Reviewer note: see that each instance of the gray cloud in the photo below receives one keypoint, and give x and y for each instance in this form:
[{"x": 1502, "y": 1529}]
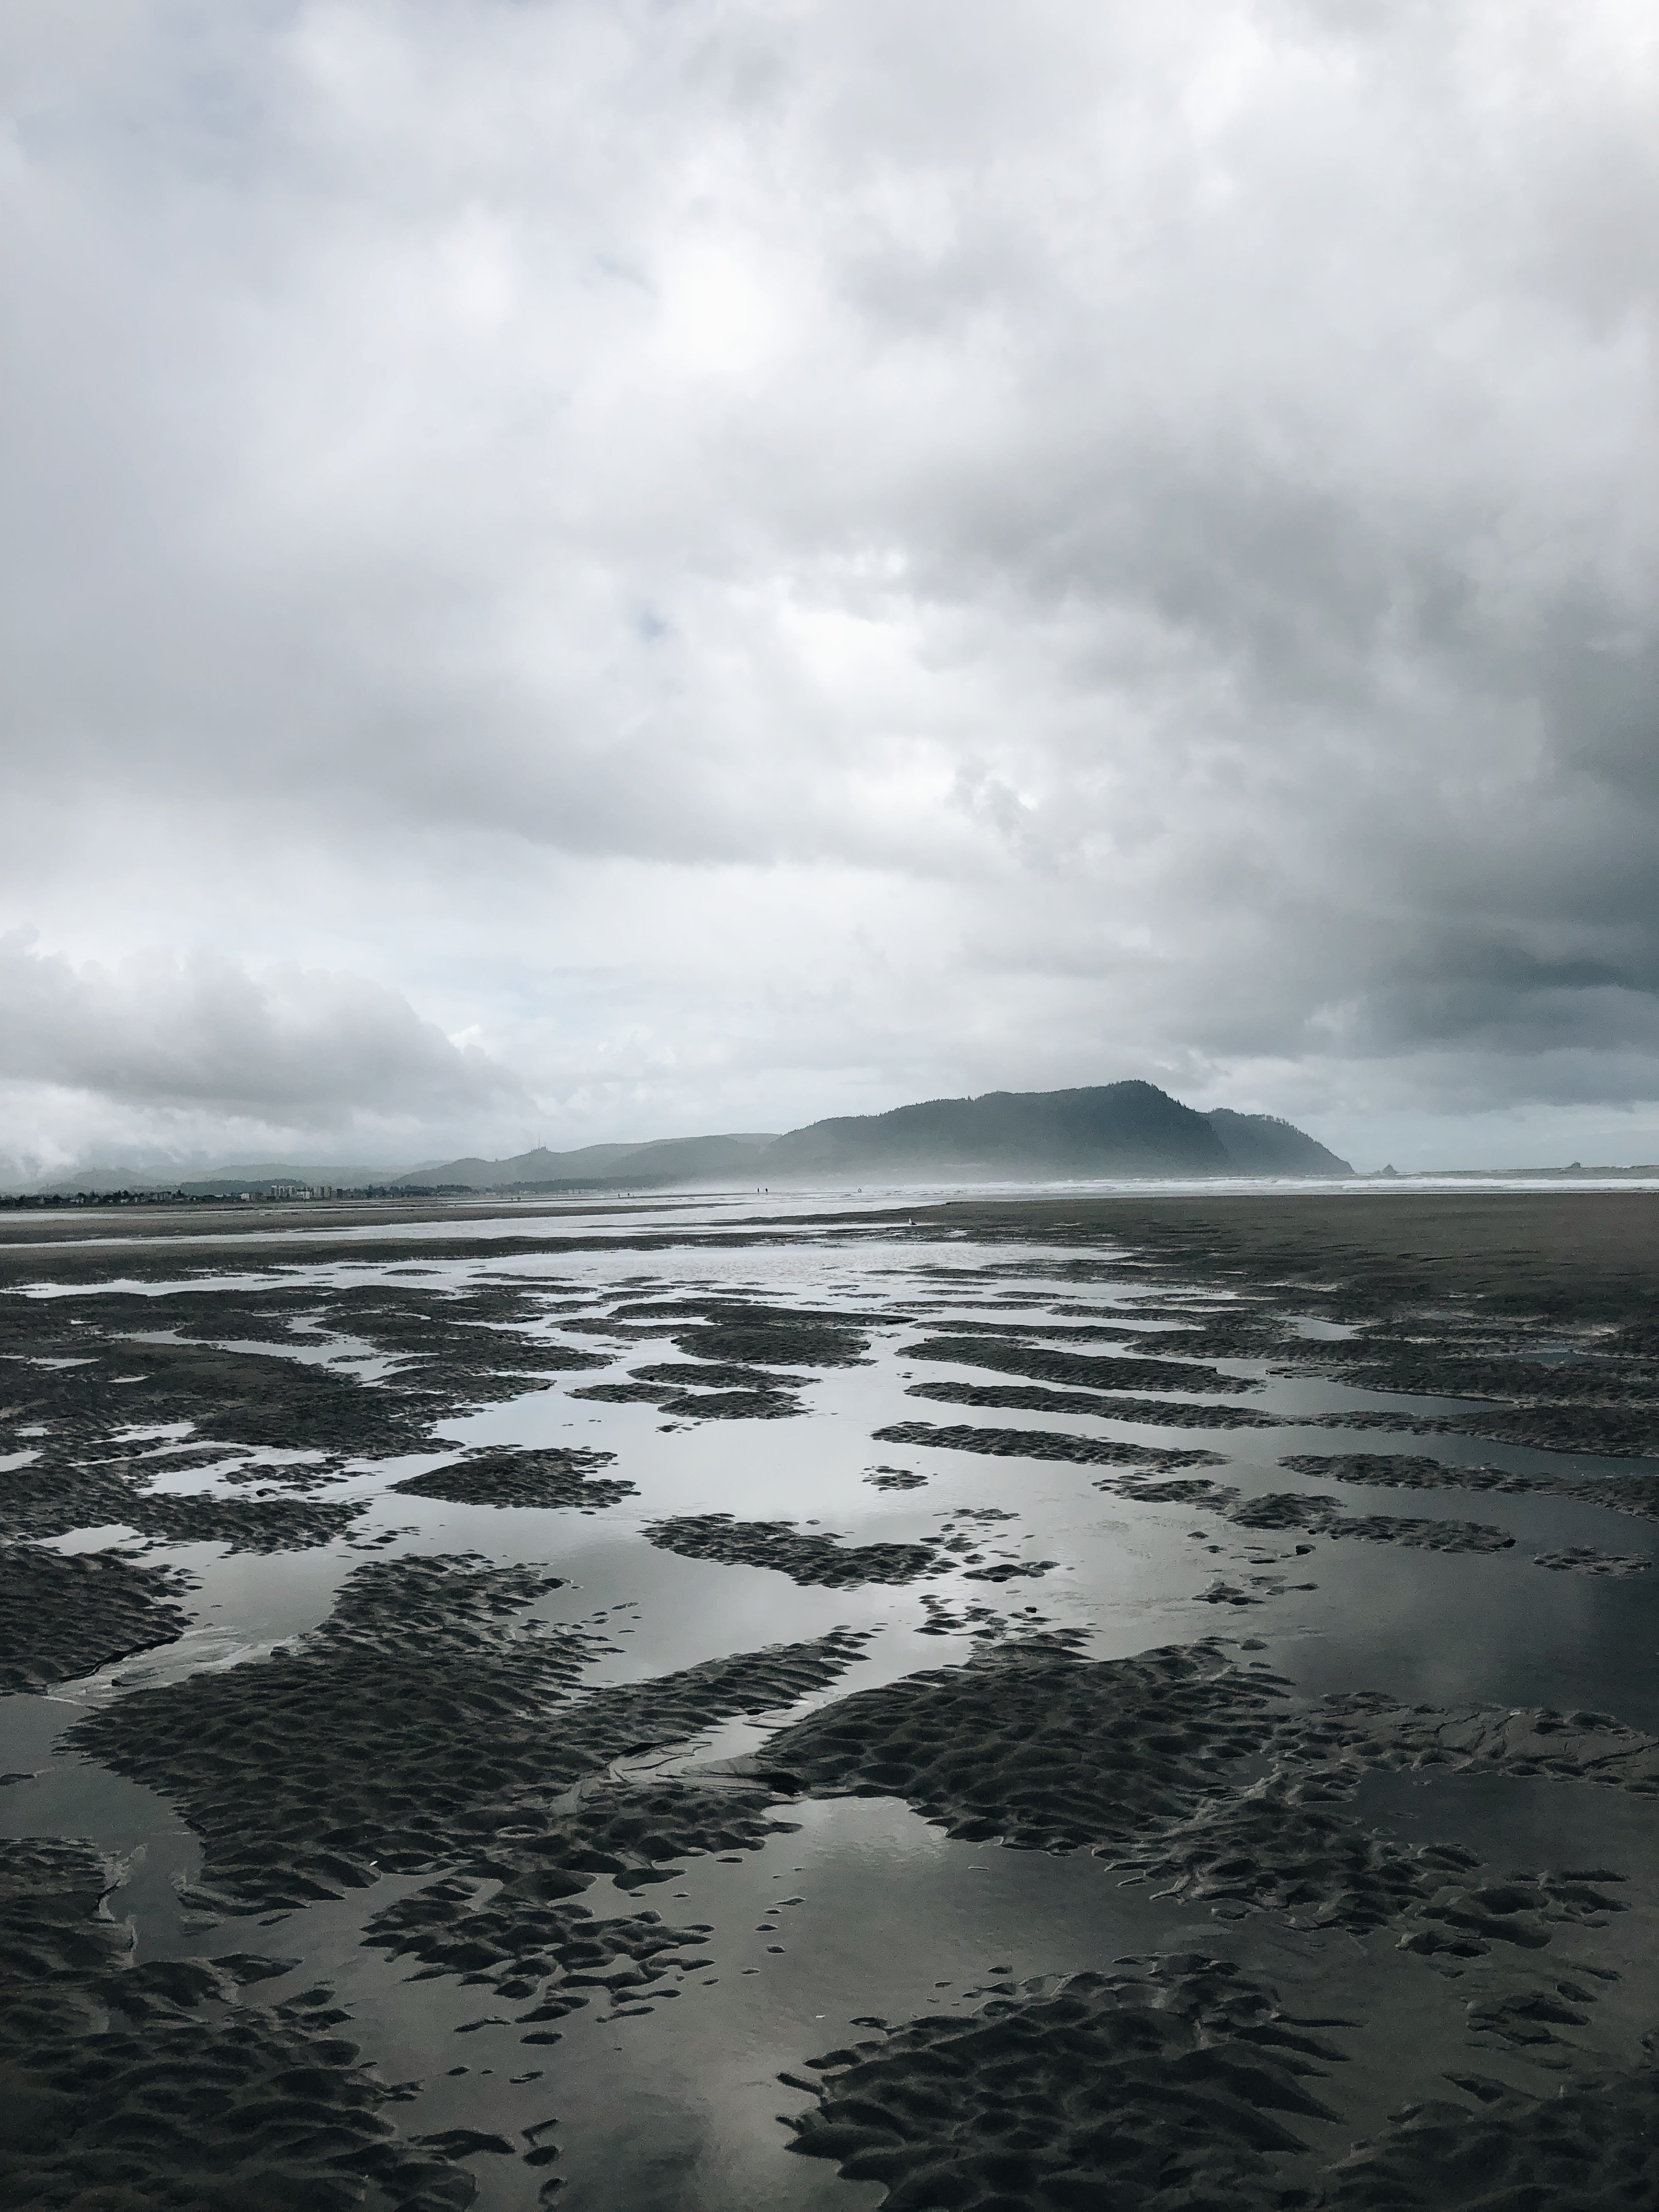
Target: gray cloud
[
  {"x": 765, "y": 563},
  {"x": 171, "y": 1052}
]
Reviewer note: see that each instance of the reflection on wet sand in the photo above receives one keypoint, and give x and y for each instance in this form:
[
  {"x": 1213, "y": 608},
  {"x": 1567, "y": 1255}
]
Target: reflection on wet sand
[{"x": 510, "y": 1732}]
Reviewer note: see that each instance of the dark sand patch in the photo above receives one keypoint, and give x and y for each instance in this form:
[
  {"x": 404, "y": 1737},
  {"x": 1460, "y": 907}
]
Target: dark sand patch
[
  {"x": 426, "y": 1721},
  {"x": 457, "y": 1348},
  {"x": 1571, "y": 1257},
  {"x": 1583, "y": 1560},
  {"x": 527, "y": 1941},
  {"x": 756, "y": 1330},
  {"x": 1042, "y": 1443},
  {"x": 1269, "y": 1849},
  {"x": 1345, "y": 1733},
  {"x": 761, "y": 1404},
  {"x": 1388, "y": 1420},
  {"x": 355, "y": 1749},
  {"x": 1157, "y": 1412},
  {"x": 731, "y": 1406},
  {"x": 551, "y": 1478},
  {"x": 1265, "y": 1337},
  {"x": 1412, "y": 1371},
  {"x": 984, "y": 1624},
  {"x": 622, "y": 1332},
  {"x": 1284, "y": 1846},
  {"x": 1255, "y": 1589},
  {"x": 712, "y": 1390},
  {"x": 1424, "y": 1535},
  {"x": 448, "y": 1341},
  {"x": 1578, "y": 2149},
  {"x": 1609, "y": 1431},
  {"x": 1557, "y": 1407},
  {"x": 62, "y": 1618},
  {"x": 895, "y": 1477},
  {"x": 1282, "y": 1509},
  {"x": 1035, "y": 1746},
  {"x": 1183, "y": 2084},
  {"x": 1140, "y": 1761},
  {"x": 716, "y": 1375},
  {"x": 1200, "y": 1330},
  {"x": 137, "y": 2087},
  {"x": 1007, "y": 1566},
  {"x": 773, "y": 1344},
  {"x": 212, "y": 1311},
  {"x": 50, "y": 1498},
  {"x": 441, "y": 1341},
  {"x": 454, "y": 1353},
  {"x": 1089, "y": 1373},
  {"x": 246, "y": 1397},
  {"x": 269, "y": 1524},
  {"x": 1636, "y": 1495},
  {"x": 748, "y": 1332},
  {"x": 625, "y": 1393},
  {"x": 1444, "y": 1291},
  {"x": 1168, "y": 2085},
  {"x": 810, "y": 1559},
  {"x": 301, "y": 1475},
  {"x": 1406, "y": 1471},
  {"x": 1017, "y": 1332},
  {"x": 1196, "y": 1489},
  {"x": 1034, "y": 2114},
  {"x": 543, "y": 1961}
]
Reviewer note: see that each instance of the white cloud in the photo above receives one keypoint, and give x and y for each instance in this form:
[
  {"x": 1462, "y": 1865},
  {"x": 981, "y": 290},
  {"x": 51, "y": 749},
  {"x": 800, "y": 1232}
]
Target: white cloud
[
  {"x": 177, "y": 1052},
  {"x": 776, "y": 558}
]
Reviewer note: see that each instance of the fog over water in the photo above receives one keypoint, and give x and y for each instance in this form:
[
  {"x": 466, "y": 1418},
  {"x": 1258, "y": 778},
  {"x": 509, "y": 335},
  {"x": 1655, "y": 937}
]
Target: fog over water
[{"x": 581, "y": 572}]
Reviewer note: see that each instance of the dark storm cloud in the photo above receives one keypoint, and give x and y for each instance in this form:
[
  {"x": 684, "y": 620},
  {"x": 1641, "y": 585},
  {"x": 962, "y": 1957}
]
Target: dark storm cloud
[{"x": 767, "y": 559}]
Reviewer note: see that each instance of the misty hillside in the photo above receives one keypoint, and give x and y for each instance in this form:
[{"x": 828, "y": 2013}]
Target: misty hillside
[
  {"x": 1105, "y": 1129},
  {"x": 229, "y": 1178},
  {"x": 1262, "y": 1143},
  {"x": 659, "y": 1159},
  {"x": 1108, "y": 1129},
  {"x": 1115, "y": 1128}
]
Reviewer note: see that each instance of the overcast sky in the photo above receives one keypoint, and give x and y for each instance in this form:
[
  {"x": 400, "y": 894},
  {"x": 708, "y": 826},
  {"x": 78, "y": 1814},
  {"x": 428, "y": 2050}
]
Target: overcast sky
[{"x": 589, "y": 570}]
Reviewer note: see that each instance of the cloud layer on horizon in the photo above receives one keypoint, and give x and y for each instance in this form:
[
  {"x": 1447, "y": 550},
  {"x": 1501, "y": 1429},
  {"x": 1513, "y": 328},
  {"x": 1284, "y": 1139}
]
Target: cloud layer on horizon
[
  {"x": 761, "y": 560},
  {"x": 163, "y": 1056}
]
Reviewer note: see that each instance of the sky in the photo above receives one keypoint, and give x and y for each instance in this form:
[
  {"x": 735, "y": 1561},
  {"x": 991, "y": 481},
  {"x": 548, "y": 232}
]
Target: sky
[{"x": 590, "y": 571}]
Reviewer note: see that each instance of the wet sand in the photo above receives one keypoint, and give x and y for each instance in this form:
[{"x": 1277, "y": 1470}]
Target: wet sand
[{"x": 509, "y": 1630}]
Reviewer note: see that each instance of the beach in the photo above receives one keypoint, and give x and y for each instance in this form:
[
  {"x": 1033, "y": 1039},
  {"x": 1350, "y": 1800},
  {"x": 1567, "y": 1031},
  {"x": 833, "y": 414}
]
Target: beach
[{"x": 1069, "y": 1700}]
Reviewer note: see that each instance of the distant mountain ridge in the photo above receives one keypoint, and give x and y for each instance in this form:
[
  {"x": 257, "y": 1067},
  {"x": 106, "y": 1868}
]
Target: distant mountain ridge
[
  {"x": 231, "y": 1178},
  {"x": 1262, "y": 1143},
  {"x": 662, "y": 1158},
  {"x": 1108, "y": 1129},
  {"x": 1130, "y": 1128}
]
